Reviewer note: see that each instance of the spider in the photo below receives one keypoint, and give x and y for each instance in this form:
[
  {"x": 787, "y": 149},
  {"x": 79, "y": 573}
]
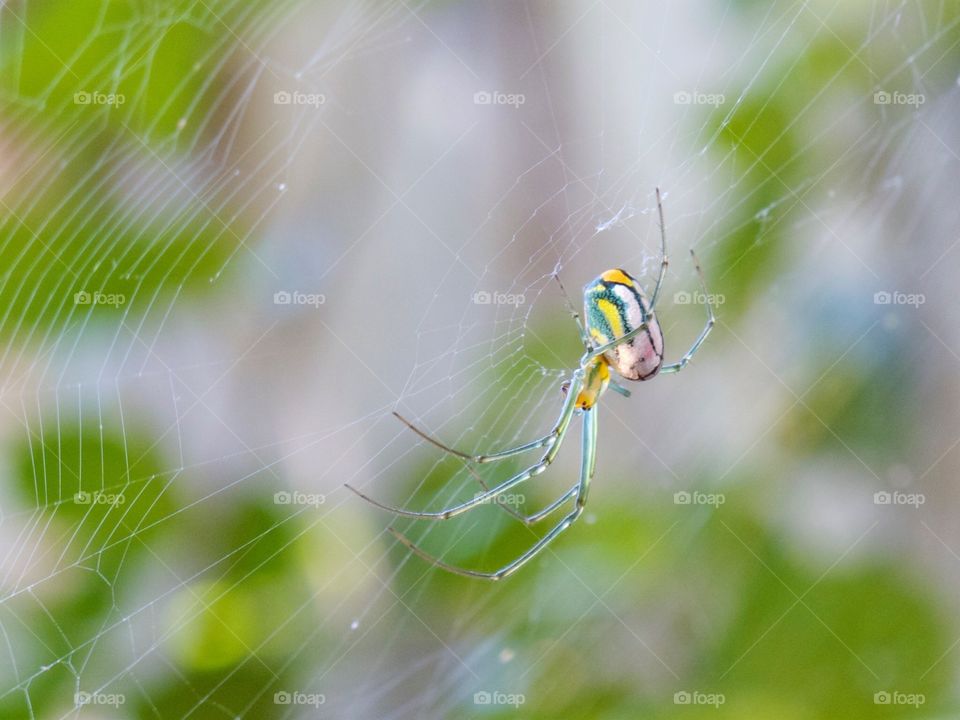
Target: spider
[{"x": 621, "y": 333}]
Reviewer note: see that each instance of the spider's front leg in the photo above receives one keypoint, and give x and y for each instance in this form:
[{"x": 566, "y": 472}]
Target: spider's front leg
[
  {"x": 548, "y": 439},
  {"x": 560, "y": 431},
  {"x": 588, "y": 459},
  {"x": 533, "y": 518}
]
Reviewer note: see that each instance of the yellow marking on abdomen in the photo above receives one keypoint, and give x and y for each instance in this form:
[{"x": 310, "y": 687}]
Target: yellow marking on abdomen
[
  {"x": 617, "y": 276},
  {"x": 612, "y": 314}
]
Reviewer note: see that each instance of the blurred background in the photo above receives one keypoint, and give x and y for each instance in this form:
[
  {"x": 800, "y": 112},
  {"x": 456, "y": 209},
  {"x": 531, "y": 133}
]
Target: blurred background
[{"x": 235, "y": 236}]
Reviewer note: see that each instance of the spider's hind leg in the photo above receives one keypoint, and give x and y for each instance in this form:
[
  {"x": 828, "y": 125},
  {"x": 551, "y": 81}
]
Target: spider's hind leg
[{"x": 584, "y": 338}]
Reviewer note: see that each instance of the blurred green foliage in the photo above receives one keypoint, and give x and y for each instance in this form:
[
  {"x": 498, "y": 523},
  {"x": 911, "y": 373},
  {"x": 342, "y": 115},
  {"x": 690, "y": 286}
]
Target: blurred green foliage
[
  {"x": 797, "y": 639},
  {"x": 121, "y": 217}
]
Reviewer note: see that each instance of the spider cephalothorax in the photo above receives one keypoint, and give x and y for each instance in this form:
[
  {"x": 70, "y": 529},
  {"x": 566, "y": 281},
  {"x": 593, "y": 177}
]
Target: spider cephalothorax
[{"x": 621, "y": 333}]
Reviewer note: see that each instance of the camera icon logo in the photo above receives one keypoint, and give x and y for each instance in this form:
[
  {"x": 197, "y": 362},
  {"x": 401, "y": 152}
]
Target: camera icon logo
[
  {"x": 282, "y": 698},
  {"x": 882, "y": 298},
  {"x": 282, "y": 97},
  {"x": 482, "y": 97},
  {"x": 82, "y": 298},
  {"x": 482, "y": 297},
  {"x": 682, "y": 497},
  {"x": 682, "y": 98},
  {"x": 682, "y": 298},
  {"x": 282, "y": 498},
  {"x": 881, "y": 97},
  {"x": 482, "y": 698},
  {"x": 282, "y": 297}
]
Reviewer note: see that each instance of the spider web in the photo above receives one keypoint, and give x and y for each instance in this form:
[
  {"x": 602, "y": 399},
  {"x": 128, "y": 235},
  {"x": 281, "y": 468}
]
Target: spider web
[{"x": 235, "y": 237}]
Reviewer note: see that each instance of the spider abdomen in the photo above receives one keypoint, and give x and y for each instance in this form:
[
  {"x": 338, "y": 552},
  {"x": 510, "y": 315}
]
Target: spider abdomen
[{"x": 614, "y": 304}]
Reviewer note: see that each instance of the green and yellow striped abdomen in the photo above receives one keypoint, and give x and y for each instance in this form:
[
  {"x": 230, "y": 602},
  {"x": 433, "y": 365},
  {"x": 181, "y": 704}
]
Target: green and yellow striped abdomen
[{"x": 614, "y": 304}]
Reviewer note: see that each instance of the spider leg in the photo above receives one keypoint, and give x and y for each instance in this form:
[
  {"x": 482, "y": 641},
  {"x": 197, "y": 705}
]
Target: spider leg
[
  {"x": 587, "y": 463},
  {"x": 711, "y": 320},
  {"x": 584, "y": 338},
  {"x": 534, "y": 517},
  {"x": 664, "y": 260},
  {"x": 619, "y": 389},
  {"x": 541, "y": 514},
  {"x": 546, "y": 440},
  {"x": 626, "y": 337},
  {"x": 563, "y": 424}
]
